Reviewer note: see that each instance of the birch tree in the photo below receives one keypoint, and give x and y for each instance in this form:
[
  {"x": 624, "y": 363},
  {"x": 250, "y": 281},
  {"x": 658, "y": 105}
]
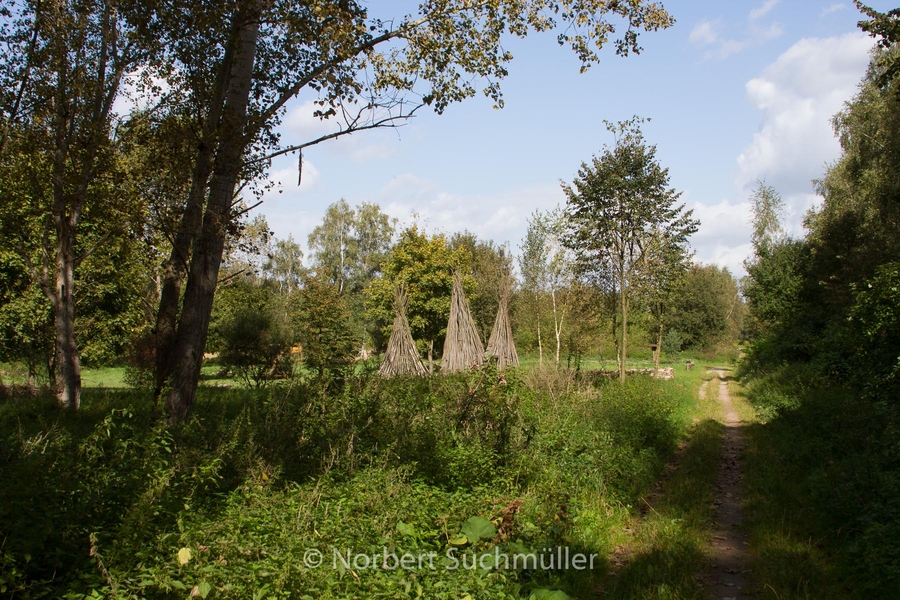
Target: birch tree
[{"x": 547, "y": 267}]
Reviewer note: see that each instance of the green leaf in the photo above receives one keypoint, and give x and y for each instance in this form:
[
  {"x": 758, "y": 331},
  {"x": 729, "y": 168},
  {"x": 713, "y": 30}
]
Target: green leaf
[
  {"x": 459, "y": 540},
  {"x": 478, "y": 528},
  {"x": 406, "y": 529},
  {"x": 545, "y": 594},
  {"x": 203, "y": 589}
]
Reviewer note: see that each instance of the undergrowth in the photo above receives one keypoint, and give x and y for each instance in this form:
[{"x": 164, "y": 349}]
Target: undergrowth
[
  {"x": 111, "y": 502},
  {"x": 822, "y": 488}
]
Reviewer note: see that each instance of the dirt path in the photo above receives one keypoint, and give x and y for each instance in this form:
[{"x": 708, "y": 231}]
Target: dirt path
[{"x": 726, "y": 579}]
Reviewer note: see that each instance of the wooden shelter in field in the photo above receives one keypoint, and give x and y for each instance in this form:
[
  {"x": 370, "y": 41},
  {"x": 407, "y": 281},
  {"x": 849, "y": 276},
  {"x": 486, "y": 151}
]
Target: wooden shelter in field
[
  {"x": 501, "y": 344},
  {"x": 401, "y": 357},
  {"x": 462, "y": 347}
]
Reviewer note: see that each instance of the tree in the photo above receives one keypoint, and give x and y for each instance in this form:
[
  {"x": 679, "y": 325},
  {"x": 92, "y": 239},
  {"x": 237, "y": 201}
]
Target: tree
[
  {"x": 324, "y": 328},
  {"x": 885, "y": 26},
  {"x": 348, "y": 249},
  {"x": 350, "y": 245},
  {"x": 615, "y": 205},
  {"x": 255, "y": 335},
  {"x": 532, "y": 266},
  {"x": 768, "y": 210},
  {"x": 285, "y": 265},
  {"x": 26, "y": 321},
  {"x": 332, "y": 243},
  {"x": 236, "y": 66},
  {"x": 424, "y": 266},
  {"x": 374, "y": 232},
  {"x": 665, "y": 262},
  {"x": 61, "y": 72},
  {"x": 706, "y": 308},
  {"x": 548, "y": 267},
  {"x": 776, "y": 271}
]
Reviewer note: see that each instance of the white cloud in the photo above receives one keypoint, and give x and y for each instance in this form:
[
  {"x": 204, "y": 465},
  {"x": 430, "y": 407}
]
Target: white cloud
[
  {"x": 830, "y": 10},
  {"x": 721, "y": 224},
  {"x": 500, "y": 216},
  {"x": 707, "y": 34},
  {"x": 726, "y": 48},
  {"x": 797, "y": 95},
  {"x": 767, "y": 6},
  {"x": 704, "y": 32}
]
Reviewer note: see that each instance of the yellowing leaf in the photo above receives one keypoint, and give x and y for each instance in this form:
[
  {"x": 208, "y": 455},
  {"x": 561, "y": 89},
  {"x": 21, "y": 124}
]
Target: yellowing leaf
[{"x": 184, "y": 556}]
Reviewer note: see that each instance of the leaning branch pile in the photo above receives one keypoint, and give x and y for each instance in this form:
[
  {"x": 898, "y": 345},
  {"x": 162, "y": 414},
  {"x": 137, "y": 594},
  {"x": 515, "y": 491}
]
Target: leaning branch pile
[
  {"x": 462, "y": 347},
  {"x": 401, "y": 357},
  {"x": 501, "y": 344}
]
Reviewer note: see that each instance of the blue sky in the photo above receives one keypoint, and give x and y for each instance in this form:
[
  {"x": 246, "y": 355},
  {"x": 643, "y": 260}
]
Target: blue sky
[{"x": 736, "y": 91}]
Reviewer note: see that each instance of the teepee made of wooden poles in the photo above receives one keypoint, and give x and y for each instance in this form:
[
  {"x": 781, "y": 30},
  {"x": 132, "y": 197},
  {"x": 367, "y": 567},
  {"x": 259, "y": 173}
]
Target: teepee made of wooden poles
[
  {"x": 401, "y": 357},
  {"x": 501, "y": 344},
  {"x": 462, "y": 347}
]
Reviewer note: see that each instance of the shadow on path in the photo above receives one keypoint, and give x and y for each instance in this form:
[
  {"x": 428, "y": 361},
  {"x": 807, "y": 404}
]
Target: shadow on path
[{"x": 689, "y": 545}]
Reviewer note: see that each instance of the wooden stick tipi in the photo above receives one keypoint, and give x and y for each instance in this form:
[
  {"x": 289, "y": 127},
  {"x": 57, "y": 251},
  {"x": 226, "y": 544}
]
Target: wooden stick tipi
[
  {"x": 401, "y": 357},
  {"x": 462, "y": 347},
  {"x": 501, "y": 345}
]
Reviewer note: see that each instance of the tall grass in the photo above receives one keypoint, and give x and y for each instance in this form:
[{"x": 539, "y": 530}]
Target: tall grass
[{"x": 110, "y": 502}]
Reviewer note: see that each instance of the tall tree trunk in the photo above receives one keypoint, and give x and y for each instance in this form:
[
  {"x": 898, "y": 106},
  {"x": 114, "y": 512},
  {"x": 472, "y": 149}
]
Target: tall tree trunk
[
  {"x": 68, "y": 364},
  {"x": 62, "y": 296},
  {"x": 623, "y": 300},
  {"x": 193, "y": 325},
  {"x": 188, "y": 229},
  {"x": 615, "y": 328},
  {"x": 51, "y": 370},
  {"x": 32, "y": 374},
  {"x": 557, "y": 324},
  {"x": 540, "y": 345},
  {"x": 659, "y": 337}
]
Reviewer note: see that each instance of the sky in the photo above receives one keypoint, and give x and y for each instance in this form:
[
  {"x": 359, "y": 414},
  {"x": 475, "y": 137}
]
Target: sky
[{"x": 735, "y": 91}]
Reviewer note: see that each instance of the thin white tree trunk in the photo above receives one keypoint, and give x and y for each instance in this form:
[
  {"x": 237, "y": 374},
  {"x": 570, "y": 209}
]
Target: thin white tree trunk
[{"x": 540, "y": 345}]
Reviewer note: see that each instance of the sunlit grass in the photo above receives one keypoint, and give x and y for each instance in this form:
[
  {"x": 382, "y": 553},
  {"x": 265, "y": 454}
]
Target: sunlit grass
[{"x": 662, "y": 548}]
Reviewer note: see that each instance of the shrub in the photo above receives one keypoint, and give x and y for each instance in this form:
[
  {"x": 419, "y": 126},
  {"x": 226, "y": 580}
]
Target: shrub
[{"x": 256, "y": 344}]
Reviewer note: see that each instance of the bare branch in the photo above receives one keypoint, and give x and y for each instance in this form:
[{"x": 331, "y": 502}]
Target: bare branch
[
  {"x": 389, "y": 122},
  {"x": 230, "y": 277},
  {"x": 91, "y": 250},
  {"x": 246, "y": 210}
]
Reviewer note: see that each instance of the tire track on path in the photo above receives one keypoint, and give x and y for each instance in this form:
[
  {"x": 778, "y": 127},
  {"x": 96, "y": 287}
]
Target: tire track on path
[{"x": 726, "y": 580}]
